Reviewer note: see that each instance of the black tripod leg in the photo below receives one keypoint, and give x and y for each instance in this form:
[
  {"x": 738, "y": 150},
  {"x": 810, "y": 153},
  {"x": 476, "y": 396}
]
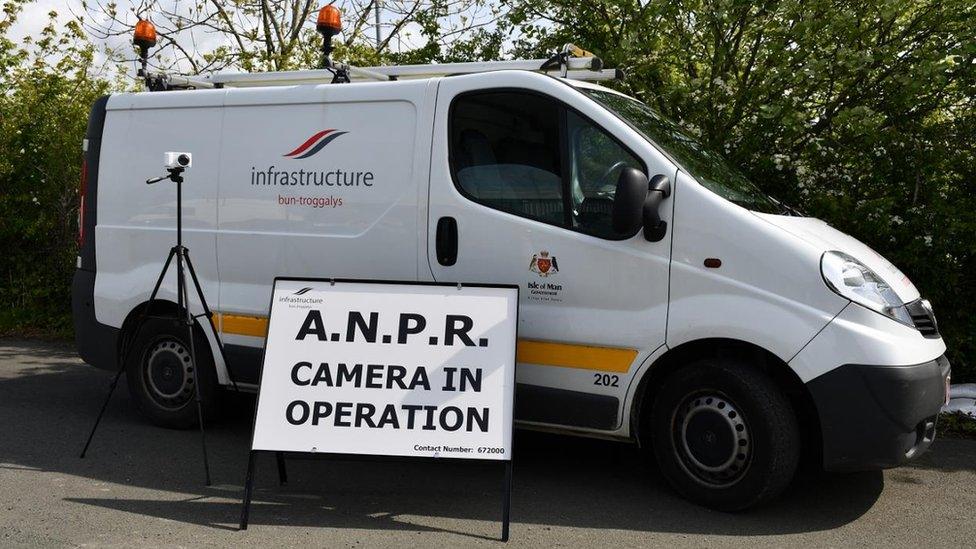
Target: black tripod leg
[
  {"x": 159, "y": 281},
  {"x": 101, "y": 412},
  {"x": 196, "y": 365},
  {"x": 209, "y": 313},
  {"x": 282, "y": 472},
  {"x": 125, "y": 351}
]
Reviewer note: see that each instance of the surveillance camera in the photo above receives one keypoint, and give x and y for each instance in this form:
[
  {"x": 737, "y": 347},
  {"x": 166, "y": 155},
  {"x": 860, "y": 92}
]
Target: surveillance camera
[{"x": 178, "y": 160}]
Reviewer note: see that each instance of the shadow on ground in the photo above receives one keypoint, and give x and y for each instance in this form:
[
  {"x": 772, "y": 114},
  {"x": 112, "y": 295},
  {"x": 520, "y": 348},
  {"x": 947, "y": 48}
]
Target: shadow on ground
[{"x": 48, "y": 400}]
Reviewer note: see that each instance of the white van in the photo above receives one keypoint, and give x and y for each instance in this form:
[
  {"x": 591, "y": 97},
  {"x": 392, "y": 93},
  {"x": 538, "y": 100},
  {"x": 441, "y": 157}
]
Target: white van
[{"x": 665, "y": 300}]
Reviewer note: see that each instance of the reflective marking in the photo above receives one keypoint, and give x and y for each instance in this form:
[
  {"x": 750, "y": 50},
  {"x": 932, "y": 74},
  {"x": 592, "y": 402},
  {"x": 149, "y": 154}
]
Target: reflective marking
[
  {"x": 541, "y": 353},
  {"x": 567, "y": 355},
  {"x": 255, "y": 326}
]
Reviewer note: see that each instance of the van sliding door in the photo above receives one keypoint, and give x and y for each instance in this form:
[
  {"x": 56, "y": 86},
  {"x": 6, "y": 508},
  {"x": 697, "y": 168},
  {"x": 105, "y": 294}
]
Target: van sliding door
[{"x": 315, "y": 181}]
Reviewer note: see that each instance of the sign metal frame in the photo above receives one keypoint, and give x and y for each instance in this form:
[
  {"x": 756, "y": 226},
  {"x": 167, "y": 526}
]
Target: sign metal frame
[{"x": 280, "y": 455}]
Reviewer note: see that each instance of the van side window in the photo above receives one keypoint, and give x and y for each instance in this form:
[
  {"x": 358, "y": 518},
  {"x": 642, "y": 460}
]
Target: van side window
[
  {"x": 596, "y": 161},
  {"x": 505, "y": 151},
  {"x": 529, "y": 155}
]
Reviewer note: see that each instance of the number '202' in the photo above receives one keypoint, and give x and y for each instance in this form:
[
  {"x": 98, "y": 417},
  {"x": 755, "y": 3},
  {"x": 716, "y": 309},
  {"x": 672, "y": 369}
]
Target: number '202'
[{"x": 607, "y": 380}]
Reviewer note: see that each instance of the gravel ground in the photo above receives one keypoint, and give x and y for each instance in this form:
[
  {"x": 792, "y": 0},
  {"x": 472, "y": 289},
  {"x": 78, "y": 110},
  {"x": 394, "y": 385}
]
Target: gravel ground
[{"x": 143, "y": 486}]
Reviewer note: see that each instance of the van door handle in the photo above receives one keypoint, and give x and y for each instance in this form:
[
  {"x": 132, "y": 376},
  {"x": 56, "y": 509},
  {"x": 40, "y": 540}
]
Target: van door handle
[{"x": 447, "y": 241}]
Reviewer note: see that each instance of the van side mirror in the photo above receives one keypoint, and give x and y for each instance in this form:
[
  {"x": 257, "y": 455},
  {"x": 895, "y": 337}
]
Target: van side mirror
[
  {"x": 658, "y": 189},
  {"x": 637, "y": 204},
  {"x": 627, "y": 214}
]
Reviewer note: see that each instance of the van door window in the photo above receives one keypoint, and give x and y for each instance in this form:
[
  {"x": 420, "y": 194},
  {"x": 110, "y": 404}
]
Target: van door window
[
  {"x": 596, "y": 160},
  {"x": 529, "y": 155},
  {"x": 505, "y": 153}
]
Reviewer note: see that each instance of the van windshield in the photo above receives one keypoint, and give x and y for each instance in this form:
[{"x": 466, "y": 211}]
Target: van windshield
[{"x": 708, "y": 167}]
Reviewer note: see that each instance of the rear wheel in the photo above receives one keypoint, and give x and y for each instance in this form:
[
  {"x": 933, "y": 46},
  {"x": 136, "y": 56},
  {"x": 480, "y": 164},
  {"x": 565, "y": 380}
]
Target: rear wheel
[
  {"x": 161, "y": 374},
  {"x": 725, "y": 436}
]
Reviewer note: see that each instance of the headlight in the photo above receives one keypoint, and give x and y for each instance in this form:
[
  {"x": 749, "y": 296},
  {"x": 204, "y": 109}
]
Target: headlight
[{"x": 852, "y": 280}]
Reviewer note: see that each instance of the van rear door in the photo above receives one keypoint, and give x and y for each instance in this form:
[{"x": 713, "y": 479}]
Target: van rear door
[{"x": 523, "y": 175}]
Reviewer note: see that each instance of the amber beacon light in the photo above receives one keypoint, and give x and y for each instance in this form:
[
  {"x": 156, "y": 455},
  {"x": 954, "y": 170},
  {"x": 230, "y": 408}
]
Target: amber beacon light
[
  {"x": 328, "y": 24},
  {"x": 329, "y": 21},
  {"x": 144, "y": 38},
  {"x": 145, "y": 34}
]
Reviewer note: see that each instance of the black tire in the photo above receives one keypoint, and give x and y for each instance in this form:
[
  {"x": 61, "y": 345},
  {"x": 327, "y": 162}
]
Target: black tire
[
  {"x": 161, "y": 375},
  {"x": 725, "y": 436}
]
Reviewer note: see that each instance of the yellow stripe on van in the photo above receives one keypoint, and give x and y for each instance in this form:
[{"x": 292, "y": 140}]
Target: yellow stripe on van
[
  {"x": 255, "y": 326},
  {"x": 542, "y": 353},
  {"x": 567, "y": 355}
]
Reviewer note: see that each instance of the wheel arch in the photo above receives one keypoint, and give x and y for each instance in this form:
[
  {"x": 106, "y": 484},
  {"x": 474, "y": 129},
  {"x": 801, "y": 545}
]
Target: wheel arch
[
  {"x": 779, "y": 371},
  {"x": 127, "y": 329},
  {"x": 164, "y": 307}
]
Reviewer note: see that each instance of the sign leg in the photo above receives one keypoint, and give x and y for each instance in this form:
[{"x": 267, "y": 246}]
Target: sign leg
[
  {"x": 507, "y": 501},
  {"x": 282, "y": 472},
  {"x": 248, "y": 486}
]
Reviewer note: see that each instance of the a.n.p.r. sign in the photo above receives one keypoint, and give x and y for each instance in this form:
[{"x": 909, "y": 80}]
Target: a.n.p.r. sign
[{"x": 380, "y": 368}]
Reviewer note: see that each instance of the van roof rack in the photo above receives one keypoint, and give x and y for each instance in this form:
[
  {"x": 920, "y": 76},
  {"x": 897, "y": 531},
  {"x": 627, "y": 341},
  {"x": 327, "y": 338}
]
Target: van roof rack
[{"x": 572, "y": 62}]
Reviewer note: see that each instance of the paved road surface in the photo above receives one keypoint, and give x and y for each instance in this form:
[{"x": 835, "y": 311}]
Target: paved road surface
[{"x": 143, "y": 486}]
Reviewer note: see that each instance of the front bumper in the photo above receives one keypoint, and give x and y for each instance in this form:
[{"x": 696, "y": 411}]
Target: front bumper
[{"x": 875, "y": 417}]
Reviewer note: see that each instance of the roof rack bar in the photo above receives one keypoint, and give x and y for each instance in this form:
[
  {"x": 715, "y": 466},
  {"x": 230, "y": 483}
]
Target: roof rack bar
[
  {"x": 596, "y": 76},
  {"x": 572, "y": 62},
  {"x": 366, "y": 73},
  {"x": 441, "y": 69},
  {"x": 188, "y": 81},
  {"x": 271, "y": 78},
  {"x": 579, "y": 68}
]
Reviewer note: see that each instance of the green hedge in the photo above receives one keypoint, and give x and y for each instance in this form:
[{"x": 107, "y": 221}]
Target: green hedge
[{"x": 46, "y": 90}]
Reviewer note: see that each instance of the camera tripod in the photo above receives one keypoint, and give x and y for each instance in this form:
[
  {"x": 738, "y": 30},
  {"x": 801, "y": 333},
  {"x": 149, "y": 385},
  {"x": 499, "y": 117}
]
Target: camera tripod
[{"x": 181, "y": 254}]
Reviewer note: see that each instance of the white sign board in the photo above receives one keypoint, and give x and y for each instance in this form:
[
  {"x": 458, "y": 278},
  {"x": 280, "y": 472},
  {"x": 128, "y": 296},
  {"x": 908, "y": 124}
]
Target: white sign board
[{"x": 388, "y": 369}]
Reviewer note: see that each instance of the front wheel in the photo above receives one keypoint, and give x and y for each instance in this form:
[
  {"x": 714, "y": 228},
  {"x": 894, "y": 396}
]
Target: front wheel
[
  {"x": 162, "y": 375},
  {"x": 725, "y": 436}
]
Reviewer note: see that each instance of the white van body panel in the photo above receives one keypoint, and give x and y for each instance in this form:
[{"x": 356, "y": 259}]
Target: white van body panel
[
  {"x": 825, "y": 237},
  {"x": 771, "y": 295},
  {"x": 859, "y": 335},
  {"x": 241, "y": 233},
  {"x": 137, "y": 222},
  {"x": 612, "y": 293},
  {"x": 342, "y": 231}
]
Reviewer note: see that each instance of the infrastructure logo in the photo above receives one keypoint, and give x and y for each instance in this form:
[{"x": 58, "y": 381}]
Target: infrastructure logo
[
  {"x": 298, "y": 299},
  {"x": 315, "y": 144}
]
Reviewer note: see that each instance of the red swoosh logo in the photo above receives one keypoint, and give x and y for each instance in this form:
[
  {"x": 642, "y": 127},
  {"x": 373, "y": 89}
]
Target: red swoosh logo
[{"x": 311, "y": 140}]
